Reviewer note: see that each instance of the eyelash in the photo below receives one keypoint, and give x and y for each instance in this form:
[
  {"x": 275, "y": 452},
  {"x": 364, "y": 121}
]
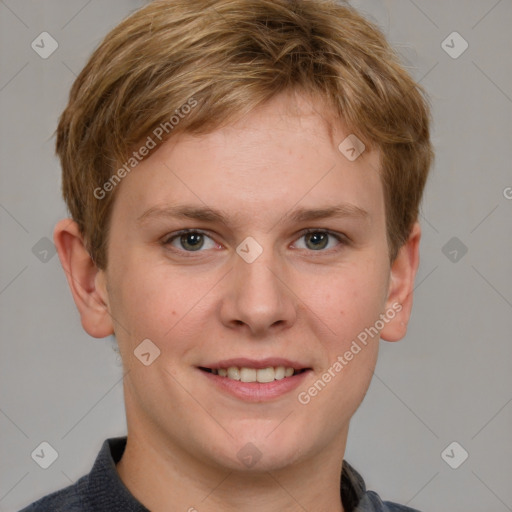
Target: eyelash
[{"x": 341, "y": 238}]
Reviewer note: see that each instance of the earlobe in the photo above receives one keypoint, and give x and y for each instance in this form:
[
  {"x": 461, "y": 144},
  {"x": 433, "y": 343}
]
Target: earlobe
[
  {"x": 401, "y": 286},
  {"x": 86, "y": 281}
]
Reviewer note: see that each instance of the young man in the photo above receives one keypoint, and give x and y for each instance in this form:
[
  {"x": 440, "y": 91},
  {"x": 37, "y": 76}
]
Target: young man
[{"x": 244, "y": 178}]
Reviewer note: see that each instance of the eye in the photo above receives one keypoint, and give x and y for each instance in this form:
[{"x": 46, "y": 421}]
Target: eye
[
  {"x": 190, "y": 240},
  {"x": 318, "y": 240},
  {"x": 193, "y": 240}
]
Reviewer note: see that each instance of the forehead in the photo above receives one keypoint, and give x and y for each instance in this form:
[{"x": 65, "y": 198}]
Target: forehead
[{"x": 284, "y": 153}]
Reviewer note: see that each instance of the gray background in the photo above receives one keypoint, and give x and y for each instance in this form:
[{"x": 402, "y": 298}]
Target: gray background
[{"x": 449, "y": 380}]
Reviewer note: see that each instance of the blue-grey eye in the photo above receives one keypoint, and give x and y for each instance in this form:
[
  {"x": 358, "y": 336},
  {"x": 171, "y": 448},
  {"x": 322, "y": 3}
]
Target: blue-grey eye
[
  {"x": 191, "y": 241},
  {"x": 319, "y": 240}
]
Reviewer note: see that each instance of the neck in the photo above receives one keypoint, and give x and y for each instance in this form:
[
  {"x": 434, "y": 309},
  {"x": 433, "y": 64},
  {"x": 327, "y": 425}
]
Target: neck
[{"x": 164, "y": 478}]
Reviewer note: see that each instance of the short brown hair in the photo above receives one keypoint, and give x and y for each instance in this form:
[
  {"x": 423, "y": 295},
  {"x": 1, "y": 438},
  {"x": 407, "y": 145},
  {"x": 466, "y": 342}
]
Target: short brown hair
[{"x": 230, "y": 56}]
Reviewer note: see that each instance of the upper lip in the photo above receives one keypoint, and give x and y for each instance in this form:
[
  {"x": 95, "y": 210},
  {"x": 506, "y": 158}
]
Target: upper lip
[{"x": 244, "y": 362}]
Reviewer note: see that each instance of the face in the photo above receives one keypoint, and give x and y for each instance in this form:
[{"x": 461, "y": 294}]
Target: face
[{"x": 285, "y": 263}]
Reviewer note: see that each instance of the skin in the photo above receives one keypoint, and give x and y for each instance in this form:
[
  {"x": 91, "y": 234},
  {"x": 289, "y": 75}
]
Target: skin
[{"x": 295, "y": 301}]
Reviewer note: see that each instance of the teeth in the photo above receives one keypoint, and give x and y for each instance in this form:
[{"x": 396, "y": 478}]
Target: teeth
[
  {"x": 265, "y": 374},
  {"x": 255, "y": 375},
  {"x": 280, "y": 373},
  {"x": 233, "y": 373},
  {"x": 248, "y": 375}
]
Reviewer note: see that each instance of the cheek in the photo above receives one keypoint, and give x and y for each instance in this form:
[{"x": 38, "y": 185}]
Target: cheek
[
  {"x": 350, "y": 300},
  {"x": 162, "y": 306},
  {"x": 350, "y": 307}
]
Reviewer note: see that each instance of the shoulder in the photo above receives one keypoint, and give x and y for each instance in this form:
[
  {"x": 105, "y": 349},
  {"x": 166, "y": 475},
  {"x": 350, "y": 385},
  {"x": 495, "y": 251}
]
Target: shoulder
[
  {"x": 67, "y": 499},
  {"x": 100, "y": 489},
  {"x": 371, "y": 502},
  {"x": 356, "y": 498}
]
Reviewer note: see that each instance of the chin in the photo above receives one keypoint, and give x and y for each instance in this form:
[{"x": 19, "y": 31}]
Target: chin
[{"x": 261, "y": 452}]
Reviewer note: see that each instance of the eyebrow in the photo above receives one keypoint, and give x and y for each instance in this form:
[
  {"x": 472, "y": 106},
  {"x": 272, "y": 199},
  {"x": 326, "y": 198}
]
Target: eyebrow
[{"x": 208, "y": 214}]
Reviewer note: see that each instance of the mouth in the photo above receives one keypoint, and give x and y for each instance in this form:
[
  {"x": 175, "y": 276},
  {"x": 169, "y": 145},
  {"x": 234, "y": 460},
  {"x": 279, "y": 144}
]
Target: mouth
[
  {"x": 251, "y": 374},
  {"x": 255, "y": 380}
]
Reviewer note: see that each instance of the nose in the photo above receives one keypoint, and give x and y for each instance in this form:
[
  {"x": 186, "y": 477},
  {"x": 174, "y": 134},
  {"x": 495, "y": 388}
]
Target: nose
[{"x": 257, "y": 297}]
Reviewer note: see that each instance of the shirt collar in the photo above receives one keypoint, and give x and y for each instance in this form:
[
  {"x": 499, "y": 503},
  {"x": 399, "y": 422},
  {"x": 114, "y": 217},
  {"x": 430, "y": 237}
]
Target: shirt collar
[{"x": 105, "y": 489}]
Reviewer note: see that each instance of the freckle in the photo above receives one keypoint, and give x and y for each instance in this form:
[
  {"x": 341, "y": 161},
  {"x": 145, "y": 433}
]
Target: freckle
[{"x": 174, "y": 312}]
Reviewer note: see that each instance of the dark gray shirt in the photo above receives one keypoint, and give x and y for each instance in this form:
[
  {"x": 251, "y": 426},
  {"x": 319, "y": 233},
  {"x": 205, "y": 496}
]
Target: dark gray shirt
[{"x": 102, "y": 490}]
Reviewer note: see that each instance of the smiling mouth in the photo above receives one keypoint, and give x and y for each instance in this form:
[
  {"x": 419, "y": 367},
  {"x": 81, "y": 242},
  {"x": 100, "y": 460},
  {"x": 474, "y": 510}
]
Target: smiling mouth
[{"x": 262, "y": 375}]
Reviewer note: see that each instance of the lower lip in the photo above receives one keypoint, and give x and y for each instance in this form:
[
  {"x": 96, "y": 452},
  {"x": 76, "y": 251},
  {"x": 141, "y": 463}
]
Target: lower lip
[{"x": 257, "y": 391}]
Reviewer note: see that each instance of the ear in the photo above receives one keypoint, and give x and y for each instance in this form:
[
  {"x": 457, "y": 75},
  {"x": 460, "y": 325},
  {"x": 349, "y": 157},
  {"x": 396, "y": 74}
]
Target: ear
[
  {"x": 86, "y": 281},
  {"x": 401, "y": 286}
]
